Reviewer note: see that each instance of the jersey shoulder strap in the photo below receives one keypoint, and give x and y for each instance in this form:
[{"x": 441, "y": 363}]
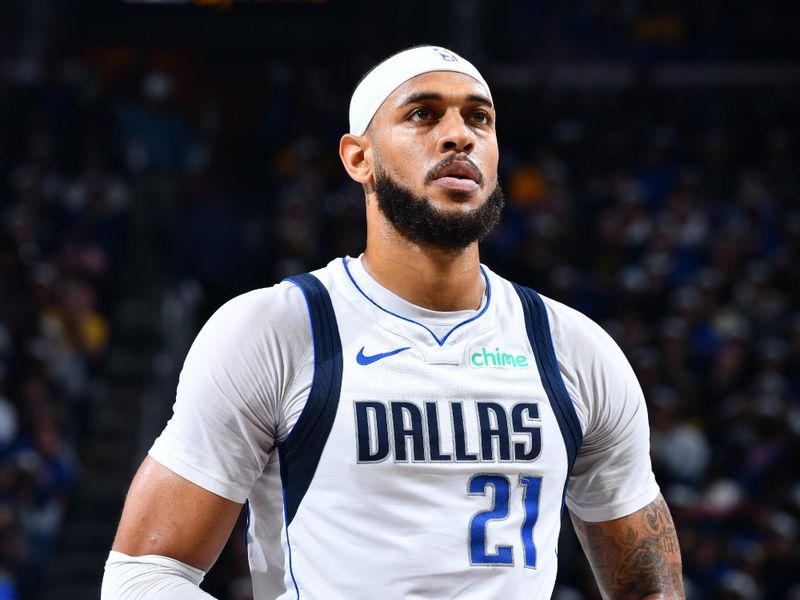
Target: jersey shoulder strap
[
  {"x": 537, "y": 326},
  {"x": 300, "y": 452}
]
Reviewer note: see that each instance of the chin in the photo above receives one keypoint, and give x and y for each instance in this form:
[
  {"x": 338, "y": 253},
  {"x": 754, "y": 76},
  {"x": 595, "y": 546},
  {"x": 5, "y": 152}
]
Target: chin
[{"x": 445, "y": 199}]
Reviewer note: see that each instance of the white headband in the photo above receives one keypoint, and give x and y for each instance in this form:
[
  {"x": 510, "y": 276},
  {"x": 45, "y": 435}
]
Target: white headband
[{"x": 397, "y": 69}]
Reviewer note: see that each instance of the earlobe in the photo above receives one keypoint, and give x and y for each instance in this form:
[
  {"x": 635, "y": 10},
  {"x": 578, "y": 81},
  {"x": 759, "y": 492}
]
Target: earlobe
[{"x": 354, "y": 153}]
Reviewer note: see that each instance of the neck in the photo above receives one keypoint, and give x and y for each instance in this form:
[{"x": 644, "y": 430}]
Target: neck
[{"x": 428, "y": 276}]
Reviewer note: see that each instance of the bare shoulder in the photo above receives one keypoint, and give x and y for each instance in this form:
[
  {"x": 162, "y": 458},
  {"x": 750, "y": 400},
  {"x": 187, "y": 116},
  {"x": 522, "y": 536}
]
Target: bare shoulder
[{"x": 636, "y": 556}]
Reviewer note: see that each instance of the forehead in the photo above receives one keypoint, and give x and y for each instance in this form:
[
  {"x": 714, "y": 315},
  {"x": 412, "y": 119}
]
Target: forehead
[{"x": 450, "y": 85}]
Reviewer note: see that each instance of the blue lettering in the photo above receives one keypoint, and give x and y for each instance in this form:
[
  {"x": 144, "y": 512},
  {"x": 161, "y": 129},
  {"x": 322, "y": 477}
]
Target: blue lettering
[
  {"x": 435, "y": 449},
  {"x": 458, "y": 432},
  {"x": 534, "y": 431},
  {"x": 488, "y": 431},
  {"x": 375, "y": 411},
  {"x": 403, "y": 431}
]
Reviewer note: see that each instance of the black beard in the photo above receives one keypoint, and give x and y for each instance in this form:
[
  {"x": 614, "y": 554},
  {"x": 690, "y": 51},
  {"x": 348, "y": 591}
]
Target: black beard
[{"x": 420, "y": 222}]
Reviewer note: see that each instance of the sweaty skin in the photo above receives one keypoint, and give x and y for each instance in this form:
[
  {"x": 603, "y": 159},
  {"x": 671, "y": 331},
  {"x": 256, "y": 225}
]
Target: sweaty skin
[
  {"x": 168, "y": 515},
  {"x": 427, "y": 119}
]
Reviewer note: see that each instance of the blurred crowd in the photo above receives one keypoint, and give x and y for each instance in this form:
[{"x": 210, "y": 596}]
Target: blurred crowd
[
  {"x": 649, "y": 31},
  {"x": 62, "y": 225},
  {"x": 674, "y": 220},
  {"x": 671, "y": 217}
]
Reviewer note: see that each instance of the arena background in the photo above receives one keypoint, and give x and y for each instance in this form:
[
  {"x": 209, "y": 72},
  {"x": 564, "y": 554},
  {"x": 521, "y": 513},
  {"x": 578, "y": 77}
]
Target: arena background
[{"x": 156, "y": 160}]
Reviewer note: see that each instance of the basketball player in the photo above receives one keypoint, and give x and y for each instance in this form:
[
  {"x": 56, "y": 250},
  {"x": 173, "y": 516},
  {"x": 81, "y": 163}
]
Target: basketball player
[{"x": 406, "y": 423}]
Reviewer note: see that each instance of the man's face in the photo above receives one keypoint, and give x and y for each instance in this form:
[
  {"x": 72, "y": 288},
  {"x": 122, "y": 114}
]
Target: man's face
[{"x": 435, "y": 154}]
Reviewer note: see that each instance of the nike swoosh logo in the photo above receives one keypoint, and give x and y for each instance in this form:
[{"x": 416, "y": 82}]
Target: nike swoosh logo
[{"x": 363, "y": 359}]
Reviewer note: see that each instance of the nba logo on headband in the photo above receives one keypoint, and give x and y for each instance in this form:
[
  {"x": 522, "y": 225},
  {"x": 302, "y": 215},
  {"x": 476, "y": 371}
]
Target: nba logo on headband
[{"x": 445, "y": 54}]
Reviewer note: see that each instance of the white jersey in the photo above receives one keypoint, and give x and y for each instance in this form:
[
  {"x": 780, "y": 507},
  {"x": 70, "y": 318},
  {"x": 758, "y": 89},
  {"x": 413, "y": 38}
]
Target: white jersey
[{"x": 389, "y": 451}]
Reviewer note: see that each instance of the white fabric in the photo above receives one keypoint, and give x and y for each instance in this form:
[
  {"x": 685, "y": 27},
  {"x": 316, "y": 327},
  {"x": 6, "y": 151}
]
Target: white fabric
[
  {"x": 244, "y": 385},
  {"x": 396, "y": 70},
  {"x": 150, "y": 577},
  {"x": 612, "y": 476}
]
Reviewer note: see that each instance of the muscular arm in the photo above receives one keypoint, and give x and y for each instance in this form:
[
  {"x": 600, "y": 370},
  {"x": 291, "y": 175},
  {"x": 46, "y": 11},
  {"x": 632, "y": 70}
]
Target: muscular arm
[
  {"x": 168, "y": 515},
  {"x": 171, "y": 531},
  {"x": 636, "y": 557}
]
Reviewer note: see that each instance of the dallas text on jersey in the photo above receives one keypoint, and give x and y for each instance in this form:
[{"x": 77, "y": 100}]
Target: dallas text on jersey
[{"x": 389, "y": 428}]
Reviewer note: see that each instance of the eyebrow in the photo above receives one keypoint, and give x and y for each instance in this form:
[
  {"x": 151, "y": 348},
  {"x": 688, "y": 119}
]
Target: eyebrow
[{"x": 427, "y": 96}]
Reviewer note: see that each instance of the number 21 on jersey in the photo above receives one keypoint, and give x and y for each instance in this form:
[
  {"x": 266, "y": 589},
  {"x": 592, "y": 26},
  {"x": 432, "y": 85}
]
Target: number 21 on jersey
[{"x": 501, "y": 507}]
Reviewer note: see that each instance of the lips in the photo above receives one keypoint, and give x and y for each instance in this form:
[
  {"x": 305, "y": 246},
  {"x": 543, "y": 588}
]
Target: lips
[
  {"x": 458, "y": 175},
  {"x": 459, "y": 170}
]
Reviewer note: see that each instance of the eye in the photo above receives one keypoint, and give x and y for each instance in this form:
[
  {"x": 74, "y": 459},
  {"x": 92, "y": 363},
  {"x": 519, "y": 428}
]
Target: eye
[
  {"x": 481, "y": 116},
  {"x": 421, "y": 114}
]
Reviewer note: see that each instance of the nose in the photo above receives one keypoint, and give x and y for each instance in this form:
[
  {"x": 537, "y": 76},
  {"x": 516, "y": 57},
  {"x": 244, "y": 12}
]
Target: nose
[{"x": 455, "y": 135}]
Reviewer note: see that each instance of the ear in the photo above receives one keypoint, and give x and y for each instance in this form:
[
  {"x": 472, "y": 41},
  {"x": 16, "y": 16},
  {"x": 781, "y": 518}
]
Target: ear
[{"x": 354, "y": 150}]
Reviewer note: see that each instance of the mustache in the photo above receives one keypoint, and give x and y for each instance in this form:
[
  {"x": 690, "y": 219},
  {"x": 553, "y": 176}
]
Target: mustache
[{"x": 446, "y": 162}]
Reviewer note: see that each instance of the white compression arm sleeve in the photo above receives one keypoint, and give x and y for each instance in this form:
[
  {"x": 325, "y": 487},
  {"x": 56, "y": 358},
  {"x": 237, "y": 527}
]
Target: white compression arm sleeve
[{"x": 150, "y": 577}]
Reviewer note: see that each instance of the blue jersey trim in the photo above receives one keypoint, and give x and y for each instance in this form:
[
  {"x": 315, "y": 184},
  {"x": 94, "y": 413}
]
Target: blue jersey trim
[
  {"x": 435, "y": 337},
  {"x": 302, "y": 449},
  {"x": 246, "y": 522},
  {"x": 538, "y": 329},
  {"x": 289, "y": 546}
]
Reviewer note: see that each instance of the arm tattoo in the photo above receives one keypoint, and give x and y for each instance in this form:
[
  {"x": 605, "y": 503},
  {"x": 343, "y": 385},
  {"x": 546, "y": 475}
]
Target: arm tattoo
[{"x": 636, "y": 557}]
